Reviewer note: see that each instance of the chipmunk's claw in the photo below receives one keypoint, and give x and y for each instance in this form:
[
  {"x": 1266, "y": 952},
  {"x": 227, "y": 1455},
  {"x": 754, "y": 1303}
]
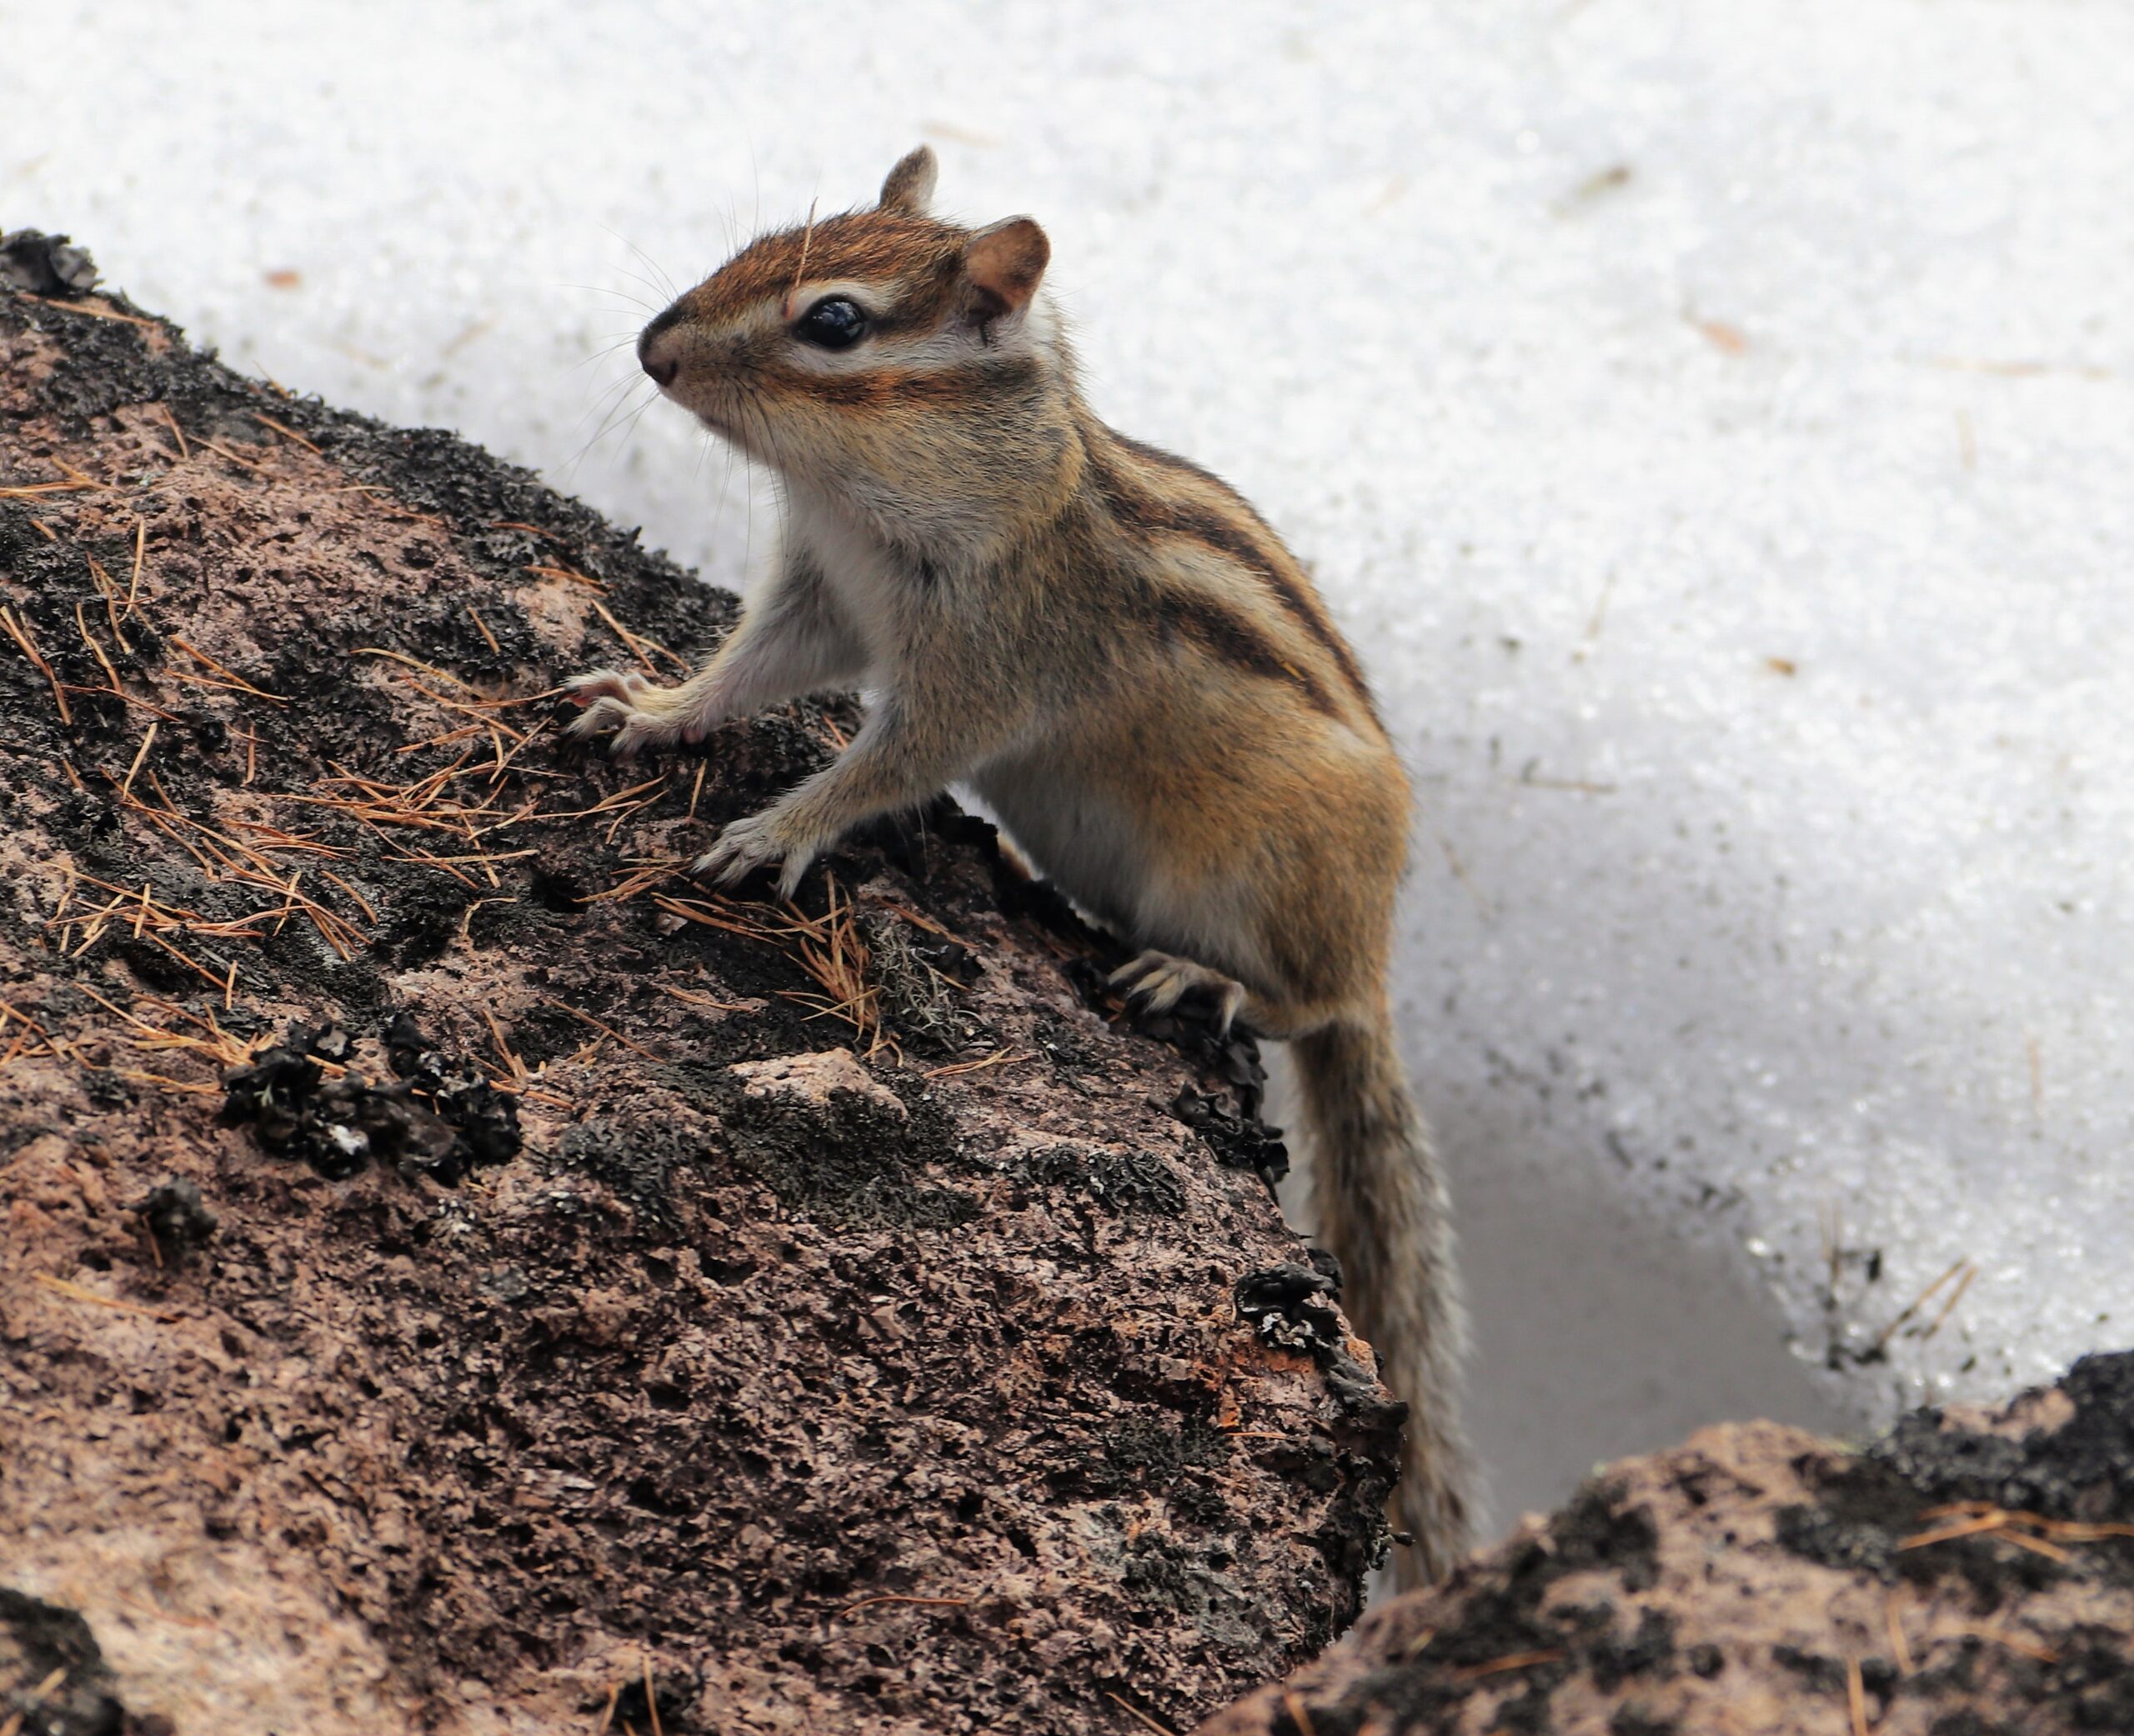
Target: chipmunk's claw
[
  {"x": 604, "y": 684},
  {"x": 751, "y": 843},
  {"x": 631, "y": 711},
  {"x": 1156, "y": 982}
]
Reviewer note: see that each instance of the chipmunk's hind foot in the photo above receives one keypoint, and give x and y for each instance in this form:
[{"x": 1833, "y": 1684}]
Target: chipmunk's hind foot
[
  {"x": 1156, "y": 982},
  {"x": 757, "y": 841}
]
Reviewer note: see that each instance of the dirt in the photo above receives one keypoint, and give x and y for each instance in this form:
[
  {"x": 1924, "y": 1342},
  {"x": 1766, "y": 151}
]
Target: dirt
[
  {"x": 456, "y": 1275},
  {"x": 1967, "y": 1575}
]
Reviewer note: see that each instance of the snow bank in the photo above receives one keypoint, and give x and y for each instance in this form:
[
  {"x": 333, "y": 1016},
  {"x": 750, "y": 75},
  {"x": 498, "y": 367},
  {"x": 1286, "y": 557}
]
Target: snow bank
[{"x": 1714, "y": 424}]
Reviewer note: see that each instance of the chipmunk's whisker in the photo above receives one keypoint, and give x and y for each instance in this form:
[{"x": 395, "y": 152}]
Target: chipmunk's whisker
[
  {"x": 624, "y": 407},
  {"x": 665, "y": 286}
]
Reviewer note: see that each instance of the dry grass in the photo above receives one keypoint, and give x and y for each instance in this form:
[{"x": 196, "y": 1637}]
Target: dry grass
[
  {"x": 1138, "y": 1715},
  {"x": 286, "y": 432},
  {"x": 1515, "y": 1660},
  {"x": 235, "y": 682},
  {"x": 570, "y": 575},
  {"x": 638, "y": 643},
  {"x": 1964, "y": 1270},
  {"x": 706, "y": 1002},
  {"x": 2029, "y": 1531},
  {"x": 830, "y": 948},
  {"x": 999, "y": 1057},
  {"x": 222, "y": 1050},
  {"x": 90, "y": 310},
  {"x": 82, "y": 1292},
  {"x": 604, "y": 1028},
  {"x": 1997, "y": 1636},
  {"x": 451, "y": 816},
  {"x": 32, "y": 1040},
  {"x": 19, "y": 632},
  {"x": 641, "y": 879}
]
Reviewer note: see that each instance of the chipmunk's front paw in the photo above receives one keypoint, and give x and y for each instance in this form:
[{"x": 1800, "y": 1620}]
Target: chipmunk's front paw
[
  {"x": 1156, "y": 982},
  {"x": 631, "y": 711},
  {"x": 757, "y": 842}
]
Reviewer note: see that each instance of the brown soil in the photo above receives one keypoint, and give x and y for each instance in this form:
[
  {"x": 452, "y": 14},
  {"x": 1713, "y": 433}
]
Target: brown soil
[{"x": 457, "y": 1275}]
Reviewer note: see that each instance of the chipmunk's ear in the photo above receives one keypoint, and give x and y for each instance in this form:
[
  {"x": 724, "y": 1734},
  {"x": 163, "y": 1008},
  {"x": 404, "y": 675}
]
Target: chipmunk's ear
[
  {"x": 1002, "y": 263},
  {"x": 909, "y": 188}
]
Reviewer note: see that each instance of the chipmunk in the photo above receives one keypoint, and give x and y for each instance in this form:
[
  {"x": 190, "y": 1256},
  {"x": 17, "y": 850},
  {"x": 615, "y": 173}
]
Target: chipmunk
[{"x": 1115, "y": 652}]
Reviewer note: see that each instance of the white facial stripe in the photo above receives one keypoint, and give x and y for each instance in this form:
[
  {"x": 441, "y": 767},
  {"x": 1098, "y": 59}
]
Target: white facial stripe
[
  {"x": 873, "y": 298},
  {"x": 1034, "y": 331},
  {"x": 1040, "y": 324},
  {"x": 917, "y": 351}
]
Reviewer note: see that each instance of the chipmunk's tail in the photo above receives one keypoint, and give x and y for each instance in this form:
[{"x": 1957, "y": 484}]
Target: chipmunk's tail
[{"x": 1383, "y": 1211}]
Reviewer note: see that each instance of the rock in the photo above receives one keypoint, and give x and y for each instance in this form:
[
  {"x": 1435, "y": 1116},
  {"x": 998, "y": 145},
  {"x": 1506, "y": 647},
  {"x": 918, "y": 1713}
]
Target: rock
[
  {"x": 812, "y": 1078},
  {"x": 58, "y": 1684},
  {"x": 45, "y": 264},
  {"x": 1966, "y": 1574},
  {"x": 457, "y": 1275}
]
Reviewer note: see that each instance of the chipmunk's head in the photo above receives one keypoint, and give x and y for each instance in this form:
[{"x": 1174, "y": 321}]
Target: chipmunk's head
[{"x": 882, "y": 353}]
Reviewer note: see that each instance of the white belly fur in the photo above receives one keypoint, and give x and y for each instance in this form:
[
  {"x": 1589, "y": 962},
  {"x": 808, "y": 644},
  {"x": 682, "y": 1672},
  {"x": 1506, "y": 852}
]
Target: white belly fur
[{"x": 1088, "y": 848}]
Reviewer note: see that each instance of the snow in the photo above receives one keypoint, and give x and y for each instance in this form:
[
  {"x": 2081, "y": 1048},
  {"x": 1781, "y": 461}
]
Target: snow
[{"x": 1713, "y": 423}]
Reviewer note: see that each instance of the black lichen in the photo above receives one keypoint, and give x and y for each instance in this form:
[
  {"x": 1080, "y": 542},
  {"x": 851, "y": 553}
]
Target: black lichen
[{"x": 441, "y": 1117}]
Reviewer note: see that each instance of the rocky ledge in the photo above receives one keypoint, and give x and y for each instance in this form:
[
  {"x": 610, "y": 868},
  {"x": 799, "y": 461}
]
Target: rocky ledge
[
  {"x": 459, "y": 1274},
  {"x": 1967, "y": 1575}
]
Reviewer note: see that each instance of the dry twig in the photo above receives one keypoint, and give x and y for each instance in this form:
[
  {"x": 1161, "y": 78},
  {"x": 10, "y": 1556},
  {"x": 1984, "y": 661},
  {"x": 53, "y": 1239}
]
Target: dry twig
[
  {"x": 19, "y": 632},
  {"x": 605, "y": 1030},
  {"x": 1138, "y": 1715},
  {"x": 82, "y": 1292},
  {"x": 228, "y": 676},
  {"x": 285, "y": 431}
]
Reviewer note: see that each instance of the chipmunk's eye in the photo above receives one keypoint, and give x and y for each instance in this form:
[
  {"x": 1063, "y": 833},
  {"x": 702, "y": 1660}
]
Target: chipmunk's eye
[{"x": 833, "y": 323}]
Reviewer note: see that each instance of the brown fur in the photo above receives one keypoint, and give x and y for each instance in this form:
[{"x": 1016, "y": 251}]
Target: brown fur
[
  {"x": 1122, "y": 658},
  {"x": 1225, "y": 521},
  {"x": 917, "y": 255}
]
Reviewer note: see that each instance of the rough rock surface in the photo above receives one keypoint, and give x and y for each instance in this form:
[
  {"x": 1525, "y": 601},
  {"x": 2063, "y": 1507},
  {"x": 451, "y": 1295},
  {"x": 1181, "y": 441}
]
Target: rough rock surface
[
  {"x": 457, "y": 1275},
  {"x": 1969, "y": 1575}
]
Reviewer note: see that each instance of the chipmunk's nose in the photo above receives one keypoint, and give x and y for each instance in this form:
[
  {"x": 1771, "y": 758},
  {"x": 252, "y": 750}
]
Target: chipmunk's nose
[
  {"x": 662, "y": 368},
  {"x": 655, "y": 350}
]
